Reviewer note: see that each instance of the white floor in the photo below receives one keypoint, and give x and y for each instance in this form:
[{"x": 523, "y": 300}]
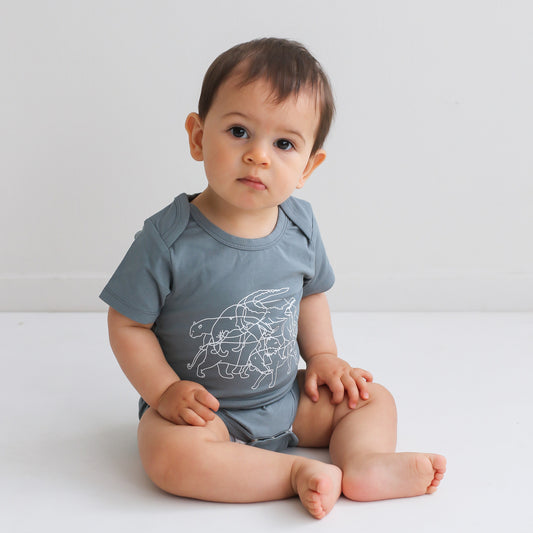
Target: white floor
[{"x": 463, "y": 385}]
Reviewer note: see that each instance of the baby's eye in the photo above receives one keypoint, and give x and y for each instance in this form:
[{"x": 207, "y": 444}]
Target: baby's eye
[
  {"x": 238, "y": 132},
  {"x": 284, "y": 144}
]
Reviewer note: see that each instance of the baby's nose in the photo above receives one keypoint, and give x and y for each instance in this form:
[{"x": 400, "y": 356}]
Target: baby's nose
[{"x": 257, "y": 155}]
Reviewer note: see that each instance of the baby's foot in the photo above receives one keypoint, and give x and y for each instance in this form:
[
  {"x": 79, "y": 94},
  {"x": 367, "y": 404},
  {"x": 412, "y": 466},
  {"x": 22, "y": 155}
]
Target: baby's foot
[
  {"x": 318, "y": 485},
  {"x": 394, "y": 475}
]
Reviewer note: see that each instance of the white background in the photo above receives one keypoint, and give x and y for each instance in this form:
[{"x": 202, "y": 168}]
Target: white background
[{"x": 425, "y": 201}]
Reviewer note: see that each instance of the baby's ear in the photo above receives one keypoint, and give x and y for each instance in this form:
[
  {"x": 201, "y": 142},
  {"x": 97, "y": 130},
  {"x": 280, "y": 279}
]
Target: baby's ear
[
  {"x": 195, "y": 129},
  {"x": 314, "y": 161}
]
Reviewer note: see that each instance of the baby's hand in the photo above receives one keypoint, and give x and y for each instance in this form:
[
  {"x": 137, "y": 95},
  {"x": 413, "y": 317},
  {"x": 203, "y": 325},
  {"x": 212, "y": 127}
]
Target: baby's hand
[
  {"x": 339, "y": 376},
  {"x": 187, "y": 403}
]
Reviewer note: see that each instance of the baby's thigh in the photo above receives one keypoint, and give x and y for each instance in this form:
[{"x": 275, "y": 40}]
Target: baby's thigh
[
  {"x": 314, "y": 421},
  {"x": 165, "y": 446}
]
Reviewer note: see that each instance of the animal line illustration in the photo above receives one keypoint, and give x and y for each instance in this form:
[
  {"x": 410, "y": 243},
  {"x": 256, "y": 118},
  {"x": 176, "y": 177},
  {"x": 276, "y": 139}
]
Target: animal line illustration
[{"x": 256, "y": 337}]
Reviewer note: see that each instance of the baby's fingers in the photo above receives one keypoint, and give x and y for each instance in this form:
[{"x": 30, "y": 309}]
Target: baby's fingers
[
  {"x": 311, "y": 386},
  {"x": 197, "y": 414},
  {"x": 363, "y": 389},
  {"x": 365, "y": 374},
  {"x": 362, "y": 377},
  {"x": 352, "y": 391},
  {"x": 206, "y": 399},
  {"x": 192, "y": 418},
  {"x": 337, "y": 389}
]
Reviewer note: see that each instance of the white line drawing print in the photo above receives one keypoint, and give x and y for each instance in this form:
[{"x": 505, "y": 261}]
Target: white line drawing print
[{"x": 257, "y": 336}]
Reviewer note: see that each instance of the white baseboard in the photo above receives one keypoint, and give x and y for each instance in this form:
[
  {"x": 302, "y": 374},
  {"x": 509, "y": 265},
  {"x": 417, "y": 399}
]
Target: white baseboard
[{"x": 505, "y": 293}]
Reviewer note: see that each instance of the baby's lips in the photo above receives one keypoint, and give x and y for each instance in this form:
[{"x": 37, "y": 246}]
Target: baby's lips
[{"x": 253, "y": 182}]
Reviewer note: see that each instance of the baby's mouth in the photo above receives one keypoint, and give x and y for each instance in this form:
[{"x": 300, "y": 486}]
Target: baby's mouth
[{"x": 254, "y": 183}]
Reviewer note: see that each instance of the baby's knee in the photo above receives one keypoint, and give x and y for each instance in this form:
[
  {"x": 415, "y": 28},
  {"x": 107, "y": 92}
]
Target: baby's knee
[
  {"x": 380, "y": 395},
  {"x": 171, "y": 454},
  {"x": 379, "y": 392},
  {"x": 159, "y": 456},
  {"x": 157, "y": 461}
]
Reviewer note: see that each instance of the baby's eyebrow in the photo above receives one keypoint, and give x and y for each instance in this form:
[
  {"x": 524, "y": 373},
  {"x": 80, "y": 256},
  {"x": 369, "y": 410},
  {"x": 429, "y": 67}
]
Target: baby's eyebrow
[
  {"x": 237, "y": 113},
  {"x": 298, "y": 134}
]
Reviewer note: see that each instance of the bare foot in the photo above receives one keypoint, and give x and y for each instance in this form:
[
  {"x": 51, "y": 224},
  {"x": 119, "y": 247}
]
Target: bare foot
[
  {"x": 318, "y": 485},
  {"x": 393, "y": 475}
]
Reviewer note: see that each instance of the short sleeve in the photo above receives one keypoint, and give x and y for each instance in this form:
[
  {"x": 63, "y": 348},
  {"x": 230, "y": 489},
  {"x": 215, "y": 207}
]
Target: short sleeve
[
  {"x": 142, "y": 281},
  {"x": 323, "y": 277}
]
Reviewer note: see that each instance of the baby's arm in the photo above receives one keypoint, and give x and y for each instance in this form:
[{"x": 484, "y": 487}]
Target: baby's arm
[
  {"x": 318, "y": 349},
  {"x": 140, "y": 356}
]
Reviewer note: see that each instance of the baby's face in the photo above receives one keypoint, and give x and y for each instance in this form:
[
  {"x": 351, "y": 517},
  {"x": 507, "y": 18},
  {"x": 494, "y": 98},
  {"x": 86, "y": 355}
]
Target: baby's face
[{"x": 257, "y": 152}]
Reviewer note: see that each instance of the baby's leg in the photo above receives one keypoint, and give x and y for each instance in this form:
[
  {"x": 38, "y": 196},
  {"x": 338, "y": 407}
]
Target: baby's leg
[
  {"x": 363, "y": 443},
  {"x": 202, "y": 463}
]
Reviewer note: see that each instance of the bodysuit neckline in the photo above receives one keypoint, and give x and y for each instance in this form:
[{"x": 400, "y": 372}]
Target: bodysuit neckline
[{"x": 231, "y": 240}]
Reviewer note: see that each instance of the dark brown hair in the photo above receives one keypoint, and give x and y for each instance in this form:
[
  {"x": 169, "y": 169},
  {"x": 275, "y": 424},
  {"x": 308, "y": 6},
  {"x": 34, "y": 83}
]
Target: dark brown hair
[{"x": 286, "y": 65}]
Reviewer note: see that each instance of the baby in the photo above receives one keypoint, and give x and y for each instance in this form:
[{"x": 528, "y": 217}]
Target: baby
[{"x": 222, "y": 292}]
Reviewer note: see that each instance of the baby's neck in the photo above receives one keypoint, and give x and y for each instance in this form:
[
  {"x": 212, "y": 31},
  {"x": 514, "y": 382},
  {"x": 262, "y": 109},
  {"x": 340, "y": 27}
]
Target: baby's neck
[{"x": 246, "y": 224}]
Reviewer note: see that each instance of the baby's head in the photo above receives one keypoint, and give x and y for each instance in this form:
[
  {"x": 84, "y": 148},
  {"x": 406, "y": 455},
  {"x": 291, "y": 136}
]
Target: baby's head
[{"x": 286, "y": 65}]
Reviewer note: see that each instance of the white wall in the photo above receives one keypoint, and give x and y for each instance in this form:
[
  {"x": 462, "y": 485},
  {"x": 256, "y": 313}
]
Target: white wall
[{"x": 425, "y": 201}]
